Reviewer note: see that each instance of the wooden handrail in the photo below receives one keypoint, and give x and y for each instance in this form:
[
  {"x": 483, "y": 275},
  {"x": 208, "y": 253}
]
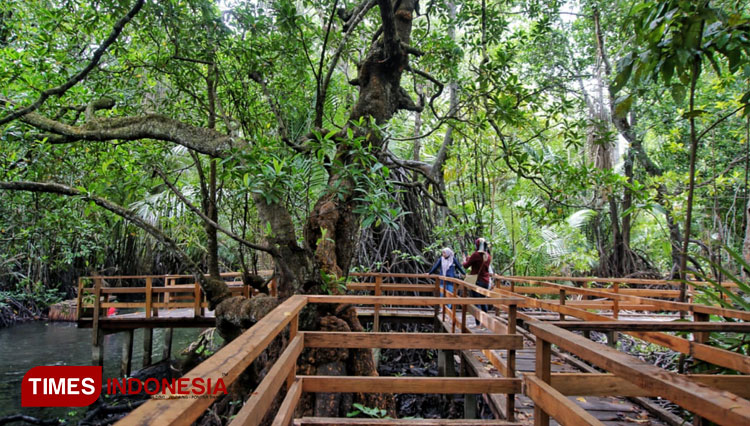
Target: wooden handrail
[
  {"x": 718, "y": 406},
  {"x": 700, "y": 351},
  {"x": 231, "y": 360},
  {"x": 228, "y": 363},
  {"x": 636, "y": 281}
]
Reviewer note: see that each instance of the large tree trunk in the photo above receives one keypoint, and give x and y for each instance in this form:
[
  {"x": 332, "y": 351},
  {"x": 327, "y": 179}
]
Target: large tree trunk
[{"x": 330, "y": 234}]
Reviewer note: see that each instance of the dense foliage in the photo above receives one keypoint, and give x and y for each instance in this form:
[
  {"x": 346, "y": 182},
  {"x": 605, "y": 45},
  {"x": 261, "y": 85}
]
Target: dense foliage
[{"x": 561, "y": 131}]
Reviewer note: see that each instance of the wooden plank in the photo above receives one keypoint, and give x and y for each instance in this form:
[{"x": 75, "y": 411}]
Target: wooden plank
[
  {"x": 543, "y": 372},
  {"x": 628, "y": 291},
  {"x": 228, "y": 363},
  {"x": 149, "y": 296},
  {"x": 293, "y": 330},
  {"x": 407, "y": 422},
  {"x": 666, "y": 305},
  {"x": 289, "y": 404},
  {"x": 606, "y": 384},
  {"x": 127, "y": 353},
  {"x": 260, "y": 400},
  {"x": 739, "y": 327},
  {"x": 376, "y": 307},
  {"x": 440, "y": 385},
  {"x": 477, "y": 368},
  {"x": 127, "y": 323},
  {"x": 197, "y": 299},
  {"x": 555, "y": 404},
  {"x": 421, "y": 288},
  {"x": 640, "y": 281},
  {"x": 718, "y": 406},
  {"x": 511, "y": 364},
  {"x": 325, "y": 339},
  {"x": 97, "y": 311},
  {"x": 79, "y": 299},
  {"x": 123, "y": 290},
  {"x": 700, "y": 351},
  {"x": 410, "y": 300}
]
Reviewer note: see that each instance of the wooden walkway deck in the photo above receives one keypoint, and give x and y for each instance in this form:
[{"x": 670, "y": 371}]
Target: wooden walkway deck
[
  {"x": 551, "y": 373},
  {"x": 609, "y": 410},
  {"x": 165, "y": 318}
]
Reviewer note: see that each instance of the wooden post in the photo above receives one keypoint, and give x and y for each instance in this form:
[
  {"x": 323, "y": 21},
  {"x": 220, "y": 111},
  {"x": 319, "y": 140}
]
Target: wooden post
[
  {"x": 149, "y": 302},
  {"x": 440, "y": 291},
  {"x": 273, "y": 290},
  {"x": 616, "y": 302},
  {"x": 454, "y": 308},
  {"x": 436, "y": 293},
  {"x": 150, "y": 297},
  {"x": 700, "y": 337},
  {"x": 148, "y": 345},
  {"x": 293, "y": 329},
  {"x": 513, "y": 286},
  {"x": 197, "y": 300},
  {"x": 562, "y": 303},
  {"x": 464, "y": 311},
  {"x": 376, "y": 310},
  {"x": 97, "y": 349},
  {"x": 470, "y": 399},
  {"x": 543, "y": 371},
  {"x": 79, "y": 299},
  {"x": 127, "y": 354},
  {"x": 167, "y": 283},
  {"x": 510, "y": 402},
  {"x": 97, "y": 310},
  {"x": 168, "y": 343}
]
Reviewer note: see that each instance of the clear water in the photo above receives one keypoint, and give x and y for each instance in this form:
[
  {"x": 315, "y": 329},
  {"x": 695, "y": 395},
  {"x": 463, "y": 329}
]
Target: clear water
[{"x": 27, "y": 345}]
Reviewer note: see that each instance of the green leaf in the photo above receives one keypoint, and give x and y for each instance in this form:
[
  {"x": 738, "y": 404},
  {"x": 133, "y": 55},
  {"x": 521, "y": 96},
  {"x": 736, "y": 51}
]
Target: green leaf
[
  {"x": 622, "y": 106},
  {"x": 695, "y": 113},
  {"x": 678, "y": 93},
  {"x": 625, "y": 67}
]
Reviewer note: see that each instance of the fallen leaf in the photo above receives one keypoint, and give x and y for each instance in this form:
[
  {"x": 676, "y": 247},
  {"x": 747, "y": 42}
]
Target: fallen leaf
[{"x": 582, "y": 399}]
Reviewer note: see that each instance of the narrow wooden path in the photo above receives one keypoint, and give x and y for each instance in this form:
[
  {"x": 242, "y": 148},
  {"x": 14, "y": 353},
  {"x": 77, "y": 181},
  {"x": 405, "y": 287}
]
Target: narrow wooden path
[{"x": 608, "y": 410}]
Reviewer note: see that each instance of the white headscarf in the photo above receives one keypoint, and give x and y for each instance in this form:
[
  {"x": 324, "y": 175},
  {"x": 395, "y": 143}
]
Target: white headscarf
[{"x": 445, "y": 263}]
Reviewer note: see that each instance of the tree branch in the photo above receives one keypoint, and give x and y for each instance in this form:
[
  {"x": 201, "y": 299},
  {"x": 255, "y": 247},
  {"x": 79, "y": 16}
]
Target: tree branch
[
  {"x": 151, "y": 126},
  {"x": 60, "y": 90},
  {"x": 436, "y": 94},
  {"x": 276, "y": 110},
  {"x": 206, "y": 219},
  {"x": 57, "y": 188},
  {"x": 390, "y": 40},
  {"x": 352, "y": 24}
]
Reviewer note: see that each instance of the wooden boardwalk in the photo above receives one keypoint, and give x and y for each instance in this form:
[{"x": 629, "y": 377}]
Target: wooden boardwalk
[
  {"x": 542, "y": 374},
  {"x": 608, "y": 410},
  {"x": 165, "y": 318}
]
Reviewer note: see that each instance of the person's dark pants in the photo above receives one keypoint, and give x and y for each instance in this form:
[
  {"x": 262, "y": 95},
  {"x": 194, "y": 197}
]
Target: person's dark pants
[{"x": 484, "y": 308}]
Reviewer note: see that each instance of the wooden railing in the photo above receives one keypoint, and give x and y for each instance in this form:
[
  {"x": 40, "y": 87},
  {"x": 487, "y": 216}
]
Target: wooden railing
[
  {"x": 172, "y": 295},
  {"x": 724, "y": 402},
  {"x": 229, "y": 362},
  {"x": 719, "y": 398}
]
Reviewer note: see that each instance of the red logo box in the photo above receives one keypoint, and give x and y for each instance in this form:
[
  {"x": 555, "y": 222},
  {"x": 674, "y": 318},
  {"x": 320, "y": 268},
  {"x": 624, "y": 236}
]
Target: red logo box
[{"x": 61, "y": 386}]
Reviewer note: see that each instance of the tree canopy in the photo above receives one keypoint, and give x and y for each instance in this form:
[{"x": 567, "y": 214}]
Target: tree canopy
[{"x": 577, "y": 136}]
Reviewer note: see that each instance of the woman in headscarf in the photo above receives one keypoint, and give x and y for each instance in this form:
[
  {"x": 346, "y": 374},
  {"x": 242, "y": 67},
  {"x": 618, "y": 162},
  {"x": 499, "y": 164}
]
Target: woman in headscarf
[
  {"x": 480, "y": 261},
  {"x": 448, "y": 266}
]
